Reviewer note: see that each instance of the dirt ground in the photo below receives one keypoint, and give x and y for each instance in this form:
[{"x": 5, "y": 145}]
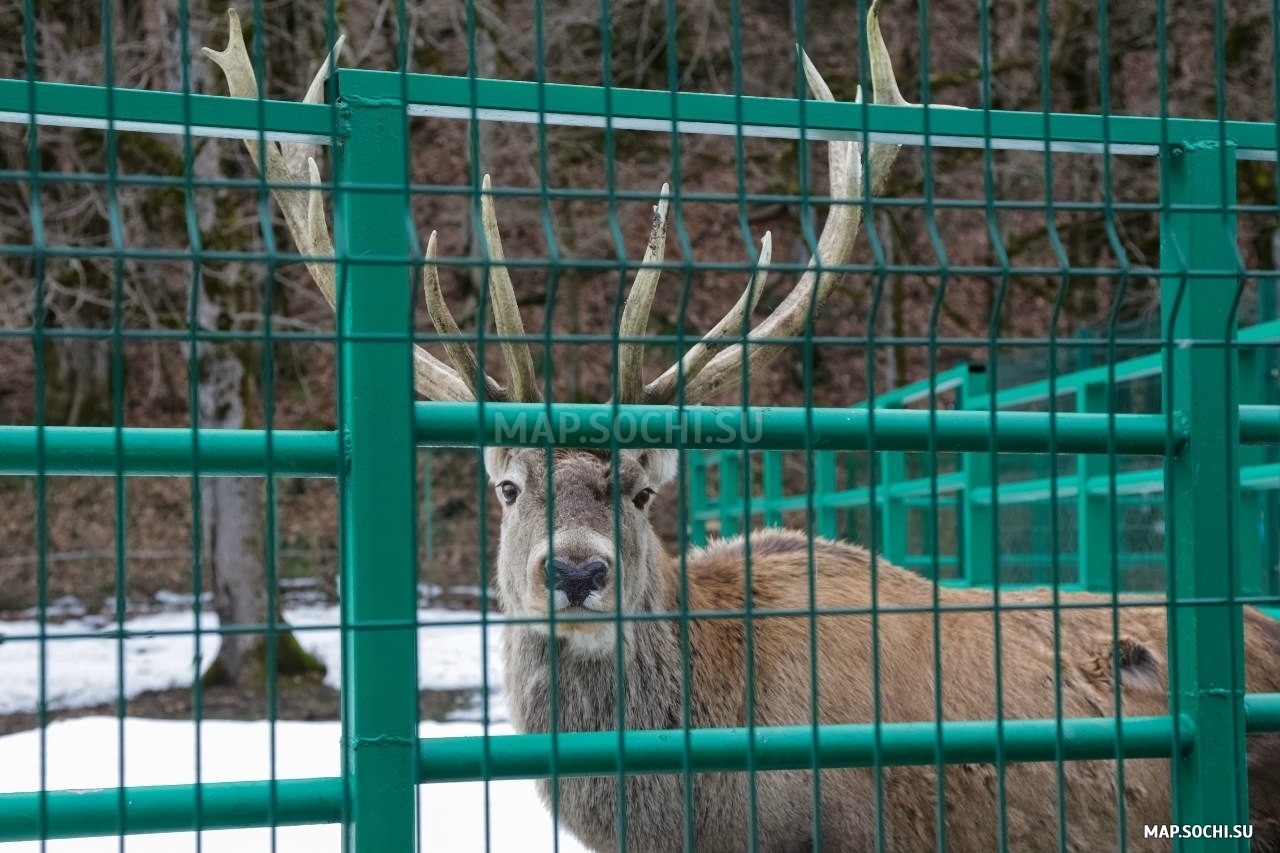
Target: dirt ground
[{"x": 295, "y": 699}]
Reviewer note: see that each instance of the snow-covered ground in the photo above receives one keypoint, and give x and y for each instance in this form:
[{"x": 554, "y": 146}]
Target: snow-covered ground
[
  {"x": 83, "y": 664},
  {"x": 85, "y": 753}
]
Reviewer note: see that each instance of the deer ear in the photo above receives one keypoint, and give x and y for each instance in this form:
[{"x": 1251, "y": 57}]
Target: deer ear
[
  {"x": 661, "y": 465},
  {"x": 496, "y": 462}
]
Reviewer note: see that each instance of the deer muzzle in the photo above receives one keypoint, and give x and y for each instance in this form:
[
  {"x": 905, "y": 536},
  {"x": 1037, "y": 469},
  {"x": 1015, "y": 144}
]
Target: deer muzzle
[{"x": 577, "y": 581}]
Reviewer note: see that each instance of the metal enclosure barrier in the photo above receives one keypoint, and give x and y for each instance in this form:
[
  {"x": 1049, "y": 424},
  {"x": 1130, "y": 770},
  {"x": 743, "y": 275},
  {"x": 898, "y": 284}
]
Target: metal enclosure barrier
[
  {"x": 911, "y": 496},
  {"x": 1197, "y": 447}
]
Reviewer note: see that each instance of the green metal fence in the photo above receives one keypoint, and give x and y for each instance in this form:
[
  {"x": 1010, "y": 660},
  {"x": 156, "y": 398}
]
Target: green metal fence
[
  {"x": 927, "y": 457},
  {"x": 922, "y": 501}
]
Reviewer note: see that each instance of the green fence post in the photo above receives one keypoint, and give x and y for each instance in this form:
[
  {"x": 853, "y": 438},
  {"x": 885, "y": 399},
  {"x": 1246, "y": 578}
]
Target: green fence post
[
  {"x": 851, "y": 483},
  {"x": 379, "y": 675},
  {"x": 428, "y": 506},
  {"x": 1095, "y": 514},
  {"x": 1251, "y": 550},
  {"x": 772, "y": 477},
  {"x": 1205, "y": 641},
  {"x": 697, "y": 497},
  {"x": 978, "y": 567},
  {"x": 731, "y": 504},
  {"x": 825, "y": 486},
  {"x": 928, "y": 517},
  {"x": 1269, "y": 386},
  {"x": 893, "y": 509}
]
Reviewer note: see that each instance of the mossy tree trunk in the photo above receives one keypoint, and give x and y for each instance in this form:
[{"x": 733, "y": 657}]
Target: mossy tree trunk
[
  {"x": 234, "y": 543},
  {"x": 233, "y": 520},
  {"x": 77, "y": 371}
]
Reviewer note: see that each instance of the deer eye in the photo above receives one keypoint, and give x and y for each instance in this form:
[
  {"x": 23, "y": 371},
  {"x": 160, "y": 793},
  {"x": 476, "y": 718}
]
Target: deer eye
[
  {"x": 508, "y": 491},
  {"x": 642, "y": 498}
]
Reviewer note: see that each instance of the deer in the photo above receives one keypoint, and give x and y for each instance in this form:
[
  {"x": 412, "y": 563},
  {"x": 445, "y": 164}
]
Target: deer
[{"x": 578, "y": 559}]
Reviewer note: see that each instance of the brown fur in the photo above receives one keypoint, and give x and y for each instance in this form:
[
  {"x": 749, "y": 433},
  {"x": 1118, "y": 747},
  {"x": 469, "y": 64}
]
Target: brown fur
[{"x": 842, "y": 578}]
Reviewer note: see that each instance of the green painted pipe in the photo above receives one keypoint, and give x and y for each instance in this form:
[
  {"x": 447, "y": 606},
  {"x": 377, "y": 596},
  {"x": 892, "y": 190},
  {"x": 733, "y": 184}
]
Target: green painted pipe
[
  {"x": 1260, "y": 424},
  {"x": 313, "y": 453},
  {"x": 1262, "y": 712},
  {"x": 160, "y": 112},
  {"x": 169, "y": 808},
  {"x": 767, "y": 428},
  {"x": 433, "y": 95},
  {"x": 154, "y": 451},
  {"x": 792, "y": 747}
]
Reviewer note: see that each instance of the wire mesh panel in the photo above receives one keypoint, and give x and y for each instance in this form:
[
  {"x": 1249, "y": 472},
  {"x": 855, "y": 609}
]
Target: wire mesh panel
[{"x": 688, "y": 517}]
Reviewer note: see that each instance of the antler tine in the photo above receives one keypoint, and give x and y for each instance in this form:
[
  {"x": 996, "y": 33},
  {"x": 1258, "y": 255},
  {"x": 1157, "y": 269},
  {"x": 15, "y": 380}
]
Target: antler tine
[
  {"x": 432, "y": 378},
  {"x": 663, "y": 389},
  {"x": 835, "y": 245},
  {"x": 464, "y": 360},
  {"x": 506, "y": 311},
  {"x": 303, "y": 208},
  {"x": 838, "y": 151},
  {"x": 884, "y": 87},
  {"x": 298, "y": 153},
  {"x": 635, "y": 315}
]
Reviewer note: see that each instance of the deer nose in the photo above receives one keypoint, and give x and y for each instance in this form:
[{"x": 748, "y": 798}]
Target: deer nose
[{"x": 578, "y": 580}]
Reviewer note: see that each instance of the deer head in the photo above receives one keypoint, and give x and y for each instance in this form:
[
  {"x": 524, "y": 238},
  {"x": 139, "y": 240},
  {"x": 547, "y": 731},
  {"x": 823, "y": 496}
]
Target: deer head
[{"x": 592, "y": 499}]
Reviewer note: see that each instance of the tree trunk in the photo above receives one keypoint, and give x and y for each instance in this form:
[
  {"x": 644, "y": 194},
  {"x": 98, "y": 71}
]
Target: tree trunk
[
  {"x": 232, "y": 549},
  {"x": 233, "y": 521},
  {"x": 77, "y": 381}
]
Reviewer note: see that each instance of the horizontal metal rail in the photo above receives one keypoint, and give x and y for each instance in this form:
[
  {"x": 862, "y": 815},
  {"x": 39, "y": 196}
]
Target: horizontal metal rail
[
  {"x": 169, "y": 808},
  {"x": 156, "y": 451},
  {"x": 634, "y": 109},
  {"x": 936, "y": 386},
  {"x": 945, "y": 484},
  {"x": 1148, "y": 481},
  {"x": 168, "y": 452},
  {"x": 721, "y": 427},
  {"x": 172, "y": 808},
  {"x": 314, "y": 453},
  {"x": 792, "y": 747},
  {"x": 74, "y": 105},
  {"x": 1039, "y": 391},
  {"x": 1129, "y": 370},
  {"x": 685, "y": 112},
  {"x": 1260, "y": 424},
  {"x": 1067, "y": 487}
]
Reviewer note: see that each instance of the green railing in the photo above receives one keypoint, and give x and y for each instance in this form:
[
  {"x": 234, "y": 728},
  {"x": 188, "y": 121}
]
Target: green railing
[{"x": 1199, "y": 443}]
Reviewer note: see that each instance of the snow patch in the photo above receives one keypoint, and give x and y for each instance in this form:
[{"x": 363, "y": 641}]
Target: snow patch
[
  {"x": 85, "y": 661},
  {"x": 85, "y": 753}
]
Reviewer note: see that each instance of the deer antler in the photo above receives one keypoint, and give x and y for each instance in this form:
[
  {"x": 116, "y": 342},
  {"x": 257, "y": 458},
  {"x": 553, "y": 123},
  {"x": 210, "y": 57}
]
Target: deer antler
[
  {"x": 710, "y": 366},
  {"x": 294, "y": 163},
  {"x": 706, "y": 371}
]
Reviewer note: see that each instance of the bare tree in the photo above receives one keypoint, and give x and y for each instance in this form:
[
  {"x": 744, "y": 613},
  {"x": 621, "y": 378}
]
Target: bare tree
[{"x": 233, "y": 522}]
